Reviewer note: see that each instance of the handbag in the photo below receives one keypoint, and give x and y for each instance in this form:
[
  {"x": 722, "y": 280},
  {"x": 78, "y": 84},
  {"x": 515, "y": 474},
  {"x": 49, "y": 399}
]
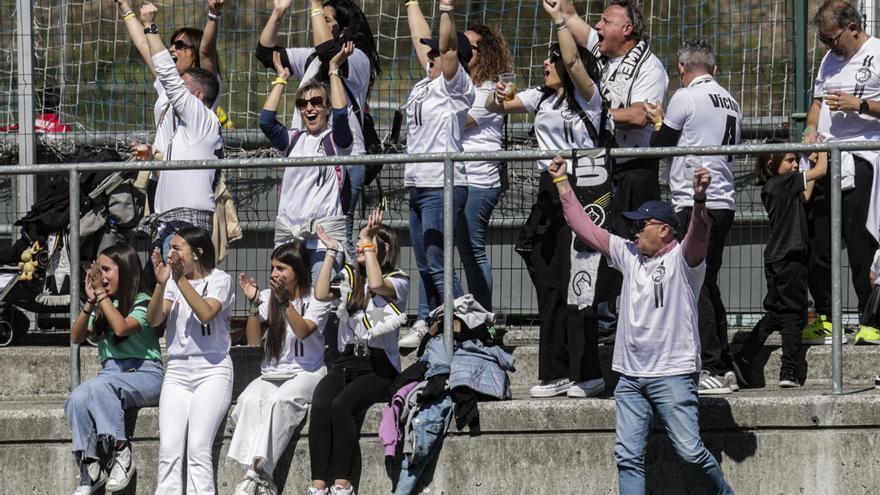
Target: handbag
[{"x": 871, "y": 314}]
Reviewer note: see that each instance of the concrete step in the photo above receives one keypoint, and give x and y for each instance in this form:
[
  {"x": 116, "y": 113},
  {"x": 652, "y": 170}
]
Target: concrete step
[
  {"x": 528, "y": 446},
  {"x": 35, "y": 371}
]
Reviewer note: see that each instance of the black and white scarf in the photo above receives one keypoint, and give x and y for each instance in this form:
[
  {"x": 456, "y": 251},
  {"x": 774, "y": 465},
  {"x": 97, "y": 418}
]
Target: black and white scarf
[{"x": 617, "y": 87}]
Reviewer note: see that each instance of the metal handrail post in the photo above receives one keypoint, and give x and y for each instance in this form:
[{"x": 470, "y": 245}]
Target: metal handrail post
[
  {"x": 448, "y": 245},
  {"x": 836, "y": 303},
  {"x": 73, "y": 250}
]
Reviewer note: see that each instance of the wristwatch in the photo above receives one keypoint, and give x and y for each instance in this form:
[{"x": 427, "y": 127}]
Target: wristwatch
[
  {"x": 153, "y": 29},
  {"x": 864, "y": 107}
]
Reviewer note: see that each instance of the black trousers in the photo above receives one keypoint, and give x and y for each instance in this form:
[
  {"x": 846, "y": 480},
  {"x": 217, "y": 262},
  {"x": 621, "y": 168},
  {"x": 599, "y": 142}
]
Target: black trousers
[
  {"x": 568, "y": 343},
  {"x": 715, "y": 348},
  {"x": 786, "y": 312},
  {"x": 860, "y": 245},
  {"x": 819, "y": 232},
  {"x": 339, "y": 404}
]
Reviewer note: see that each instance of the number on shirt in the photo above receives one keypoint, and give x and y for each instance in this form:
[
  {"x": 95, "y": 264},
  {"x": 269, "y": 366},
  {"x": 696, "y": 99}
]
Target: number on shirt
[{"x": 729, "y": 134}]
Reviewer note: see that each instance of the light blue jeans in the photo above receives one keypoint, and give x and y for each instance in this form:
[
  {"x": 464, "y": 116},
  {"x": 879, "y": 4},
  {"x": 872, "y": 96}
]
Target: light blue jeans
[
  {"x": 471, "y": 242},
  {"x": 96, "y": 408},
  {"x": 429, "y": 427},
  {"x": 675, "y": 400}
]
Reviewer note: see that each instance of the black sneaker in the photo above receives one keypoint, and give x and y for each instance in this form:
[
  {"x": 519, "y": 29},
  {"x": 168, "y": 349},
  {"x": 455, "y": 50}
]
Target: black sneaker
[
  {"x": 788, "y": 379},
  {"x": 743, "y": 371}
]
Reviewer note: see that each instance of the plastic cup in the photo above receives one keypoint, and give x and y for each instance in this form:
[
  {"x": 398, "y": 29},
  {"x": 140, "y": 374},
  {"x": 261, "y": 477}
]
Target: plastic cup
[
  {"x": 690, "y": 165},
  {"x": 509, "y": 81},
  {"x": 832, "y": 86},
  {"x": 142, "y": 151},
  {"x": 658, "y": 123}
]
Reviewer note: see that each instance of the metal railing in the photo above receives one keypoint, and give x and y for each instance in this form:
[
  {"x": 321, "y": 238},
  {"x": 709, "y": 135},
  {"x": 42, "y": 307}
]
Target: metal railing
[{"x": 448, "y": 159}]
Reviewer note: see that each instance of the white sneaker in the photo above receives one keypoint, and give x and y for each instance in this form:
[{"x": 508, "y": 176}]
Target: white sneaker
[
  {"x": 92, "y": 478},
  {"x": 338, "y": 490},
  {"x": 413, "y": 338},
  {"x": 121, "y": 471},
  {"x": 730, "y": 377},
  {"x": 314, "y": 491},
  {"x": 551, "y": 388},
  {"x": 588, "y": 388},
  {"x": 713, "y": 385},
  {"x": 247, "y": 486},
  {"x": 266, "y": 486}
]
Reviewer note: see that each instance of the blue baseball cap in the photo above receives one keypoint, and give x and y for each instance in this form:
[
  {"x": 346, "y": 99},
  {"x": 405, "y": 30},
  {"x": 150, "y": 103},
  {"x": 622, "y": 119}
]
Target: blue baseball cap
[
  {"x": 657, "y": 210},
  {"x": 465, "y": 53}
]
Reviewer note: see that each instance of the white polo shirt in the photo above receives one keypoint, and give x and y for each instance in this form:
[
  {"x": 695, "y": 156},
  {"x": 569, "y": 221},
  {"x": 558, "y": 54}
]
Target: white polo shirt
[
  {"x": 484, "y": 135},
  {"x": 557, "y": 126},
  {"x": 706, "y": 115},
  {"x": 436, "y": 116},
  {"x": 858, "y": 75},
  {"x": 195, "y": 136},
  {"x": 357, "y": 81},
  {"x": 298, "y": 355},
  {"x": 657, "y": 329},
  {"x": 185, "y": 335}
]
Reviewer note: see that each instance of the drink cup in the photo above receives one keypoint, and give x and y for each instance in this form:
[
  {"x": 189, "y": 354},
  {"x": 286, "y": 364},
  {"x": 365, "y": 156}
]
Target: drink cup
[
  {"x": 658, "y": 122},
  {"x": 509, "y": 81},
  {"x": 690, "y": 165},
  {"x": 829, "y": 87},
  {"x": 142, "y": 152}
]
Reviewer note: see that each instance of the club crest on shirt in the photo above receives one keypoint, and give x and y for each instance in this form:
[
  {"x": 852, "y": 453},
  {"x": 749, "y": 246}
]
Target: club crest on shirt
[
  {"x": 596, "y": 214},
  {"x": 863, "y": 75},
  {"x": 581, "y": 282},
  {"x": 658, "y": 274}
]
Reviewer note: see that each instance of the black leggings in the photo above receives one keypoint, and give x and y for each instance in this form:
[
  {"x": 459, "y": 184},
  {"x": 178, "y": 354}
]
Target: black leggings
[{"x": 339, "y": 404}]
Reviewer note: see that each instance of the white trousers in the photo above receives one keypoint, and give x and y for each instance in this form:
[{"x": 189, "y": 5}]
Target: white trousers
[
  {"x": 266, "y": 415},
  {"x": 195, "y": 396}
]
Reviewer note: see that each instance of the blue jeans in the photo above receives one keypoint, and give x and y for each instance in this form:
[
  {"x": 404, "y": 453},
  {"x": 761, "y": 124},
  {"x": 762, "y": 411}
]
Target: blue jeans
[
  {"x": 426, "y": 234},
  {"x": 675, "y": 400},
  {"x": 429, "y": 428},
  {"x": 97, "y": 407},
  {"x": 471, "y": 243},
  {"x": 356, "y": 184}
]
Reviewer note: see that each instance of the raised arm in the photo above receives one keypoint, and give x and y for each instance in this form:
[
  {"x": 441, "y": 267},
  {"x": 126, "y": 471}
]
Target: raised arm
[
  {"x": 448, "y": 40},
  {"x": 598, "y": 238},
  {"x": 339, "y": 99},
  {"x": 159, "y": 307},
  {"x": 579, "y": 28},
  {"x": 696, "y": 241},
  {"x": 269, "y": 34},
  {"x": 204, "y": 309},
  {"x": 322, "y": 284},
  {"x": 136, "y": 33},
  {"x": 274, "y": 130},
  {"x": 80, "y": 330},
  {"x": 320, "y": 29},
  {"x": 817, "y": 171},
  {"x": 418, "y": 29},
  {"x": 575, "y": 68},
  {"x": 377, "y": 283},
  {"x": 208, "y": 58},
  {"x": 253, "y": 328},
  {"x": 301, "y": 327}
]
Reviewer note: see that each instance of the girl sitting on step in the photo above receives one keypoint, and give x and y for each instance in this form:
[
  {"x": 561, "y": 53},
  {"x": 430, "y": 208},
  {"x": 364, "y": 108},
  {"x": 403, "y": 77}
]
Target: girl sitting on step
[{"x": 115, "y": 313}]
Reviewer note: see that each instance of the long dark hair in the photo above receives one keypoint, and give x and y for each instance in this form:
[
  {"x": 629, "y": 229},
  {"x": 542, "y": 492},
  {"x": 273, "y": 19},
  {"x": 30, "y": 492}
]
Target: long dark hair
[
  {"x": 353, "y": 26},
  {"x": 130, "y": 281},
  {"x": 194, "y": 37},
  {"x": 296, "y": 256},
  {"x": 494, "y": 56},
  {"x": 387, "y": 260},
  {"x": 569, "y": 90},
  {"x": 199, "y": 239}
]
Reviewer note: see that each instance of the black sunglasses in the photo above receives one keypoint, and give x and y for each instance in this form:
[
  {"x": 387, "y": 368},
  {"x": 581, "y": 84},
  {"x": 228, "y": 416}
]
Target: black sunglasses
[
  {"x": 827, "y": 41},
  {"x": 554, "y": 56},
  {"x": 181, "y": 45},
  {"x": 316, "y": 102},
  {"x": 639, "y": 225}
]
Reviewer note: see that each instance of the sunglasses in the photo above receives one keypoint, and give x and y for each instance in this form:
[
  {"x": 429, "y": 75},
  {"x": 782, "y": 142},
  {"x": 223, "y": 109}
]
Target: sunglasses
[
  {"x": 640, "y": 225},
  {"x": 554, "y": 56},
  {"x": 181, "y": 45},
  {"x": 316, "y": 102},
  {"x": 828, "y": 41}
]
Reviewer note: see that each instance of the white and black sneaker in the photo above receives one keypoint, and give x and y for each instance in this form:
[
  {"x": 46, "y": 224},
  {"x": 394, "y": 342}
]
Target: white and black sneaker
[
  {"x": 413, "y": 338},
  {"x": 314, "y": 491},
  {"x": 732, "y": 382},
  {"x": 788, "y": 379},
  {"x": 121, "y": 470},
  {"x": 713, "y": 385},
  {"x": 587, "y": 388},
  {"x": 551, "y": 388},
  {"x": 91, "y": 478},
  {"x": 877, "y": 382}
]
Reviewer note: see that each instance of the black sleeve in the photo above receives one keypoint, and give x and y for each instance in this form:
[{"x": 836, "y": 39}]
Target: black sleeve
[
  {"x": 327, "y": 50},
  {"x": 666, "y": 136},
  {"x": 264, "y": 55},
  {"x": 794, "y": 182}
]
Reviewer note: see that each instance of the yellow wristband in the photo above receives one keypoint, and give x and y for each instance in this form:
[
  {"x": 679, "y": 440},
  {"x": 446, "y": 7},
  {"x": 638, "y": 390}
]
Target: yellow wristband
[
  {"x": 317, "y": 12},
  {"x": 279, "y": 80},
  {"x": 411, "y": 2},
  {"x": 128, "y": 15},
  {"x": 560, "y": 179}
]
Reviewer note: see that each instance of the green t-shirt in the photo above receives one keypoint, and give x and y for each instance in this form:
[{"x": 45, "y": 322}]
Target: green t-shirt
[{"x": 143, "y": 344}]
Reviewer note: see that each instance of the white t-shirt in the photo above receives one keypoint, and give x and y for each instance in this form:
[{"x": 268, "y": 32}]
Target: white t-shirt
[
  {"x": 650, "y": 84},
  {"x": 560, "y": 128},
  {"x": 436, "y": 115},
  {"x": 195, "y": 135},
  {"x": 298, "y": 355},
  {"x": 163, "y": 116},
  {"x": 706, "y": 115},
  {"x": 657, "y": 329},
  {"x": 484, "y": 135},
  {"x": 357, "y": 81},
  {"x": 186, "y": 336},
  {"x": 858, "y": 75},
  {"x": 354, "y": 331},
  {"x": 310, "y": 193}
]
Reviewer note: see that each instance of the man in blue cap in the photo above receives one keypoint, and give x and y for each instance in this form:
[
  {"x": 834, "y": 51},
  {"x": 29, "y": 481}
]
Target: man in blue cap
[{"x": 657, "y": 350}]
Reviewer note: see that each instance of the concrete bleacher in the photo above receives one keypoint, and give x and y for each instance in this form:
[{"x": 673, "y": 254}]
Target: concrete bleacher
[{"x": 770, "y": 440}]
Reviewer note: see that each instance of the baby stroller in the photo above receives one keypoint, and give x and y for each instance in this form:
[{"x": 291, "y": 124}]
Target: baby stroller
[{"x": 35, "y": 270}]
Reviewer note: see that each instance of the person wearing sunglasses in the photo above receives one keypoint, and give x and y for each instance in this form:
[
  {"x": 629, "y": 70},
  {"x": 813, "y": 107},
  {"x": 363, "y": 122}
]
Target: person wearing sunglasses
[
  {"x": 657, "y": 350},
  {"x": 845, "y": 107},
  {"x": 567, "y": 111},
  {"x": 333, "y": 22},
  {"x": 311, "y": 196},
  {"x": 489, "y": 58}
]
